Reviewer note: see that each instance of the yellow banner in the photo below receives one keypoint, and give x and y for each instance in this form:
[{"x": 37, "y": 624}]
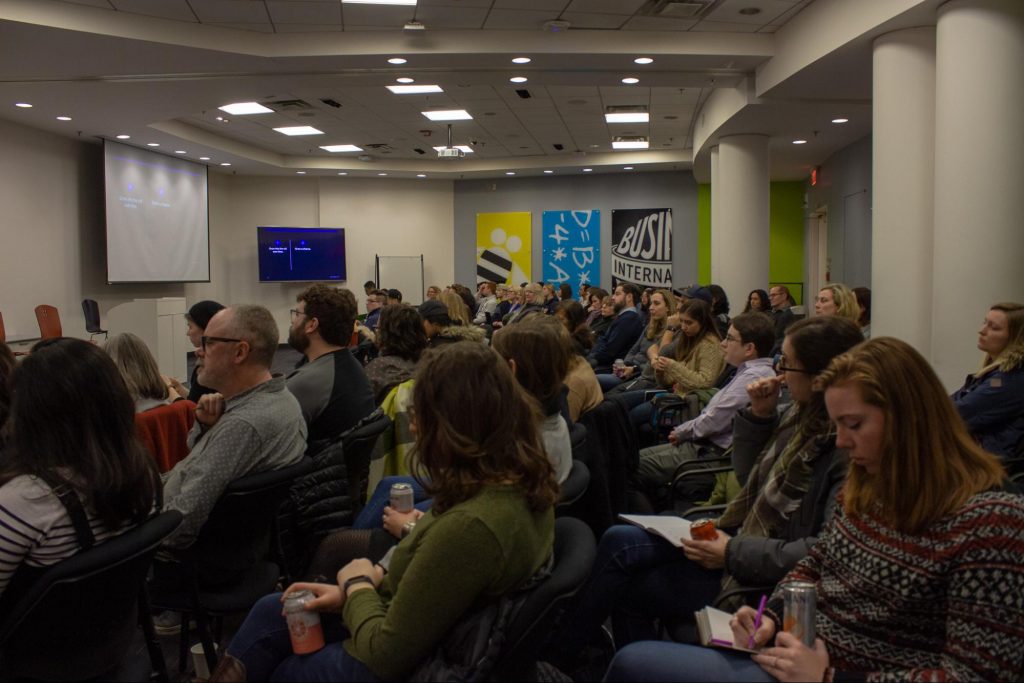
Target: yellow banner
[{"x": 503, "y": 247}]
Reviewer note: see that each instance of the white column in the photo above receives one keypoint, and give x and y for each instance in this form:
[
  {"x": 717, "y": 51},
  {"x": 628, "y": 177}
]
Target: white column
[
  {"x": 903, "y": 172},
  {"x": 979, "y": 174},
  {"x": 716, "y": 198},
  {"x": 739, "y": 216}
]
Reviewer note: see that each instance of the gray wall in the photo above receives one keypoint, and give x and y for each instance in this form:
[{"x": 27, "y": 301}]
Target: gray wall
[
  {"x": 672, "y": 189},
  {"x": 844, "y": 186}
]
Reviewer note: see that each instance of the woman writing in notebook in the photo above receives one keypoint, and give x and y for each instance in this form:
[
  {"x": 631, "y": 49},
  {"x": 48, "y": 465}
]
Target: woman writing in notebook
[{"x": 920, "y": 572}]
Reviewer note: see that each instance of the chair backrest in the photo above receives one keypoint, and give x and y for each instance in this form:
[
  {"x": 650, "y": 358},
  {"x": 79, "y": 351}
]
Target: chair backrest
[
  {"x": 238, "y": 531},
  {"x": 358, "y": 444},
  {"x": 91, "y": 311},
  {"x": 574, "y": 486},
  {"x": 575, "y": 550},
  {"x": 164, "y": 430},
  {"x": 49, "y": 321},
  {"x": 78, "y": 619}
]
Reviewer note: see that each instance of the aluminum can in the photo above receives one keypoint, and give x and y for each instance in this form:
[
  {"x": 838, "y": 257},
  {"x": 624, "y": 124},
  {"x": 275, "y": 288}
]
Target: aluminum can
[
  {"x": 800, "y": 605},
  {"x": 703, "y": 530},
  {"x": 401, "y": 497},
  {"x": 618, "y": 366},
  {"x": 304, "y": 626}
]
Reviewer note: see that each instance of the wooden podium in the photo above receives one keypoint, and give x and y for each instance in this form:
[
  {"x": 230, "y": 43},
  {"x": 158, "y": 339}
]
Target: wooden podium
[{"x": 160, "y": 323}]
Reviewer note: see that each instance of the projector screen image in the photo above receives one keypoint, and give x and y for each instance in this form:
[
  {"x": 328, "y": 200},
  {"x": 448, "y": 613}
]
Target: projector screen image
[
  {"x": 157, "y": 217},
  {"x": 301, "y": 254}
]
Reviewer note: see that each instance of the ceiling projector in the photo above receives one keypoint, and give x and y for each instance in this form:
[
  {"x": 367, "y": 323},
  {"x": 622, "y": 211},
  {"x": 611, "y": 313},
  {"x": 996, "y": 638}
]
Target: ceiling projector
[{"x": 450, "y": 153}]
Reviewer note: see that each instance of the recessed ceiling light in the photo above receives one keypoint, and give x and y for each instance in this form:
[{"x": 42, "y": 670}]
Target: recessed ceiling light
[
  {"x": 123, "y": 137},
  {"x": 465, "y": 148},
  {"x": 643, "y": 60},
  {"x": 301, "y": 172},
  {"x": 180, "y": 151},
  {"x": 594, "y": 146},
  {"x": 204, "y": 158},
  {"x": 342, "y": 173},
  {"x": 448, "y": 115},
  {"x": 404, "y": 79},
  {"x": 627, "y": 168},
  {"x": 629, "y": 80},
  {"x": 630, "y": 144},
  {"x": 23, "y": 105},
  {"x": 518, "y": 79},
  {"x": 299, "y": 130},
  {"x": 408, "y": 3},
  {"x": 799, "y": 142},
  {"x": 510, "y": 172},
  {"x": 421, "y": 175},
  {"x": 521, "y": 60},
  {"x": 549, "y": 171},
  {"x": 587, "y": 170},
  {"x": 244, "y": 108},
  {"x": 413, "y": 89},
  {"x": 397, "y": 60},
  {"x": 63, "y": 118},
  {"x": 628, "y": 117},
  {"x": 341, "y": 148},
  {"x": 840, "y": 120},
  {"x": 224, "y": 163},
  {"x": 382, "y": 174},
  {"x": 152, "y": 144}
]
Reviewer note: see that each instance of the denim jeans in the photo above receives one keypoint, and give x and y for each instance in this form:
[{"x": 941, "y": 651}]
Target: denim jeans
[
  {"x": 263, "y": 645},
  {"x": 373, "y": 512},
  {"x": 608, "y": 382},
  {"x": 637, "y": 578},
  {"x": 658, "y": 661}
]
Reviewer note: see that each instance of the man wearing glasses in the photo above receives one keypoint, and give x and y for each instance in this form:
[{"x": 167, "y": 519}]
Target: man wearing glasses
[
  {"x": 330, "y": 384},
  {"x": 781, "y": 301},
  {"x": 251, "y": 424}
]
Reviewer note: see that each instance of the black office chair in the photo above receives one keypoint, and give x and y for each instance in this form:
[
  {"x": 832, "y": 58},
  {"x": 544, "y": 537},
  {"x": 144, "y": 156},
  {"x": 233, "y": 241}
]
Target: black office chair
[
  {"x": 573, "y": 488},
  {"x": 78, "y": 619},
  {"x": 91, "y": 310},
  {"x": 228, "y": 568}
]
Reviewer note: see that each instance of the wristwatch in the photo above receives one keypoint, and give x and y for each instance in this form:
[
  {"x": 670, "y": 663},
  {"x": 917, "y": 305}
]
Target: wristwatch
[
  {"x": 408, "y": 527},
  {"x": 363, "y": 578}
]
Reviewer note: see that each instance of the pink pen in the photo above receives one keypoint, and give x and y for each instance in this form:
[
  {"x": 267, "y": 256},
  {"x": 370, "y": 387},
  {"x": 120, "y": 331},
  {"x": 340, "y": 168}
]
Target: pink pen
[{"x": 757, "y": 620}]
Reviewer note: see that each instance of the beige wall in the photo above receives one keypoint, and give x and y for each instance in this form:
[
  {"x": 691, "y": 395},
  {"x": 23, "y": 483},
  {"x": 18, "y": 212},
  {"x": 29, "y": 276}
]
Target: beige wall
[{"x": 52, "y": 231}]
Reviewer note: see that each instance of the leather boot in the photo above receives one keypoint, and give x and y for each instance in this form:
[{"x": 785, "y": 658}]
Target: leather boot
[{"x": 229, "y": 670}]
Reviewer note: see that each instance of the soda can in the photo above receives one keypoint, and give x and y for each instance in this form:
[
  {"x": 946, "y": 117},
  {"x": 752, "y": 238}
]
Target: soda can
[
  {"x": 618, "y": 367},
  {"x": 304, "y": 626},
  {"x": 401, "y": 497},
  {"x": 800, "y": 604},
  {"x": 703, "y": 530}
]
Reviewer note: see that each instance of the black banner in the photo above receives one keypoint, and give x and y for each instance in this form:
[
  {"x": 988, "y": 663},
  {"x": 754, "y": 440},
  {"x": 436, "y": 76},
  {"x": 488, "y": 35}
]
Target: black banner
[{"x": 642, "y": 247}]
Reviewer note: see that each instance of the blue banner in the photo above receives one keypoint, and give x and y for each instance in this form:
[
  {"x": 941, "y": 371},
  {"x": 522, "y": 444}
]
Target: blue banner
[{"x": 572, "y": 247}]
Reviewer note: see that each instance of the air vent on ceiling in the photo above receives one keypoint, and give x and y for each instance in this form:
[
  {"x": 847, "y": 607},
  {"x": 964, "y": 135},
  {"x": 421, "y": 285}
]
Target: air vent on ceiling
[
  {"x": 290, "y": 105},
  {"x": 382, "y": 147},
  {"x": 525, "y": 94},
  {"x": 558, "y": 146},
  {"x": 331, "y": 103},
  {"x": 680, "y": 9}
]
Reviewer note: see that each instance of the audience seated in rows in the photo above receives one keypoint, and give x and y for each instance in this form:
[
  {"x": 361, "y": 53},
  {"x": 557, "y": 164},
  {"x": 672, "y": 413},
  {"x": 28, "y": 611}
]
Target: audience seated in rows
[
  {"x": 638, "y": 373},
  {"x": 746, "y": 346},
  {"x": 487, "y": 303},
  {"x": 401, "y": 341},
  {"x": 440, "y": 327},
  {"x": 693, "y": 359},
  {"x": 605, "y": 317},
  {"x": 376, "y": 299},
  {"x": 490, "y": 530},
  {"x": 73, "y": 472},
  {"x": 197, "y": 318},
  {"x": 919, "y": 572},
  {"x": 757, "y": 302},
  {"x": 991, "y": 401},
  {"x": 148, "y": 388},
  {"x": 533, "y": 302},
  {"x": 584, "y": 391},
  {"x": 837, "y": 299},
  {"x": 782, "y": 303},
  {"x": 790, "y": 469},
  {"x": 329, "y": 383},
  {"x": 624, "y": 330}
]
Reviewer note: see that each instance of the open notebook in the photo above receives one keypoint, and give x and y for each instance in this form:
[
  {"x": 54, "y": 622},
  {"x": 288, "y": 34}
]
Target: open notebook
[
  {"x": 671, "y": 528},
  {"x": 714, "y": 630}
]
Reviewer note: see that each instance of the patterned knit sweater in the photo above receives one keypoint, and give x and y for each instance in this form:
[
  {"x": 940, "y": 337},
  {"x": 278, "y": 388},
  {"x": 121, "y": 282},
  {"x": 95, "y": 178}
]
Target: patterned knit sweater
[{"x": 944, "y": 605}]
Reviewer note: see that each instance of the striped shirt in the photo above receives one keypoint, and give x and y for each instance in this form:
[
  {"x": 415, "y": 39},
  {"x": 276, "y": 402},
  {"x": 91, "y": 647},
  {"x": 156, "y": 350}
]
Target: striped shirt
[{"x": 35, "y": 529}]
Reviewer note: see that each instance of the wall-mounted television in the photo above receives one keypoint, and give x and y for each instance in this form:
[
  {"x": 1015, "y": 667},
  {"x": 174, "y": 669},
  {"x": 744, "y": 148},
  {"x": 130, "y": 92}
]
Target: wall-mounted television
[{"x": 301, "y": 254}]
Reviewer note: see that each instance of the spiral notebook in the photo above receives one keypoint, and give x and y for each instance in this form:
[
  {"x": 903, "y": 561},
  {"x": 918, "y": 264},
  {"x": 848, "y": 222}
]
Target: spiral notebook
[{"x": 714, "y": 630}]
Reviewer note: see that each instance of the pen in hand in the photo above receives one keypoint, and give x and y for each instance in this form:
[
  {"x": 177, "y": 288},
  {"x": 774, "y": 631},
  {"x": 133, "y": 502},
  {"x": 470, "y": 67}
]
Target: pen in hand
[{"x": 757, "y": 621}]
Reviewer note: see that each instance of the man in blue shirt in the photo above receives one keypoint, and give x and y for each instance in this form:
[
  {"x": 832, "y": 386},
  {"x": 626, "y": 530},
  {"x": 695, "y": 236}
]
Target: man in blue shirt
[
  {"x": 747, "y": 345},
  {"x": 623, "y": 332}
]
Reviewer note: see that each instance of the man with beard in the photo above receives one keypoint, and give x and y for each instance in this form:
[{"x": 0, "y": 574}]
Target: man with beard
[{"x": 330, "y": 384}]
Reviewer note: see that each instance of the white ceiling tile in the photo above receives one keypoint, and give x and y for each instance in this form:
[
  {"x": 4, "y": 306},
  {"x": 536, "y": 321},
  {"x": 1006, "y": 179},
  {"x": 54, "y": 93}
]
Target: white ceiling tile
[
  {"x": 551, "y": 6},
  {"x": 451, "y": 17},
  {"x": 592, "y": 20},
  {"x": 244, "y": 11},
  {"x": 507, "y": 19},
  {"x": 92, "y": 3},
  {"x": 259, "y": 28},
  {"x": 725, "y": 27},
  {"x": 453, "y": 3},
  {"x": 659, "y": 24},
  {"x": 365, "y": 16},
  {"x": 729, "y": 11},
  {"x": 304, "y": 12},
  {"x": 621, "y": 7},
  {"x": 308, "y": 28},
  {"x": 165, "y": 9}
]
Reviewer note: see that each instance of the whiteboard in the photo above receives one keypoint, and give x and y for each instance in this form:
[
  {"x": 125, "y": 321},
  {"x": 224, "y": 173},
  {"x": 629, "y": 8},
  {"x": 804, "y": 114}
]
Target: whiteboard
[{"x": 404, "y": 273}]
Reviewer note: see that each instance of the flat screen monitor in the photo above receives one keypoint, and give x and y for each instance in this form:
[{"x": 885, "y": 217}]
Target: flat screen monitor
[{"x": 301, "y": 254}]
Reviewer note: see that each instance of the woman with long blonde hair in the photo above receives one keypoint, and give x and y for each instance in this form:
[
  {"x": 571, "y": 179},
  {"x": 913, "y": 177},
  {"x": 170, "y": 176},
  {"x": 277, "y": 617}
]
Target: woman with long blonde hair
[{"x": 837, "y": 299}]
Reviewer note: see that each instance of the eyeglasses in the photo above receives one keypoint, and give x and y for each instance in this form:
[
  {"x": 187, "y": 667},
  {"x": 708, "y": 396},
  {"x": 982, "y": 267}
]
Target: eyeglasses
[
  {"x": 730, "y": 338},
  {"x": 781, "y": 367},
  {"x": 206, "y": 340},
  {"x": 296, "y": 312}
]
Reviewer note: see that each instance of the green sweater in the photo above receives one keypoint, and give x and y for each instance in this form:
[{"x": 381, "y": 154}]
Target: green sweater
[{"x": 452, "y": 563}]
